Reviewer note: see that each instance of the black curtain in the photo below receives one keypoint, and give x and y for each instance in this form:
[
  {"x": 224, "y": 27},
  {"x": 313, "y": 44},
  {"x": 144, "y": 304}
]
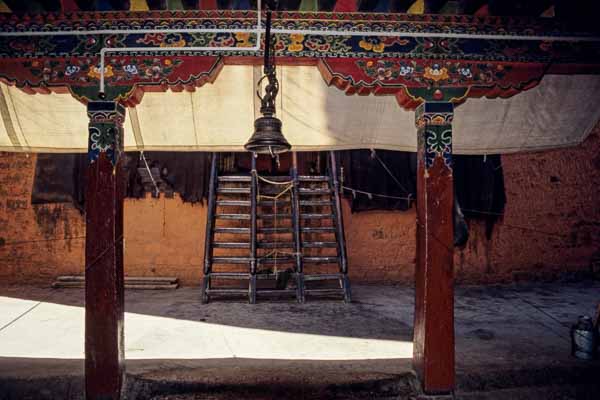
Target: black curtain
[
  {"x": 479, "y": 188},
  {"x": 391, "y": 174},
  {"x": 61, "y": 178}
]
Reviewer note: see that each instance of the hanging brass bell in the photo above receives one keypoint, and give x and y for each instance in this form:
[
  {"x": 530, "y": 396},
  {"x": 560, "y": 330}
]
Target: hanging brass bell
[{"x": 267, "y": 137}]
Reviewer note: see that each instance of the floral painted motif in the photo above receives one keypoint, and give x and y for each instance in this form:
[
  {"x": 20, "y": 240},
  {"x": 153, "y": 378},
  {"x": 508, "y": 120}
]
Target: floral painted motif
[
  {"x": 436, "y": 73},
  {"x": 243, "y": 39},
  {"x": 173, "y": 40},
  {"x": 116, "y": 70},
  {"x": 449, "y": 73},
  {"x": 296, "y": 43},
  {"x": 94, "y": 72},
  {"x": 71, "y": 69},
  {"x": 321, "y": 44},
  {"x": 372, "y": 43},
  {"x": 131, "y": 69}
]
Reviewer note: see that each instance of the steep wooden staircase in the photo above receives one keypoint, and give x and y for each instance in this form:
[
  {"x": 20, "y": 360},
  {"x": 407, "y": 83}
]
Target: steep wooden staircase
[{"x": 275, "y": 235}]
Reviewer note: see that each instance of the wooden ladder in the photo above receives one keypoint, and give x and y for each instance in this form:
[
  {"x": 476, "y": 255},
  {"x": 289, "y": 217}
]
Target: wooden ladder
[{"x": 282, "y": 221}]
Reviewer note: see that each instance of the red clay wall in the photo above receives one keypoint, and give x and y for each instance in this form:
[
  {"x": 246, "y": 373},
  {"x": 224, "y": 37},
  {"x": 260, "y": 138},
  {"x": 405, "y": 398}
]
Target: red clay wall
[{"x": 551, "y": 226}]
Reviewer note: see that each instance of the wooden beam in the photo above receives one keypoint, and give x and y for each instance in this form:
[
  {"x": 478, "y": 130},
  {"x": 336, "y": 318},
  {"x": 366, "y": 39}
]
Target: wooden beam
[
  {"x": 68, "y": 5},
  {"x": 208, "y": 4},
  {"x": 51, "y": 5},
  {"x": 22, "y": 7},
  {"x": 104, "y": 280},
  {"x": 469, "y": 7},
  {"x": 400, "y": 6},
  {"x": 433, "y": 6},
  {"x": 309, "y": 5},
  {"x": 139, "y": 5},
  {"x": 190, "y": 4},
  {"x": 523, "y": 8},
  {"x": 433, "y": 340},
  {"x": 326, "y": 5},
  {"x": 157, "y": 4},
  {"x": 287, "y": 5},
  {"x": 86, "y": 5},
  {"x": 345, "y": 6}
]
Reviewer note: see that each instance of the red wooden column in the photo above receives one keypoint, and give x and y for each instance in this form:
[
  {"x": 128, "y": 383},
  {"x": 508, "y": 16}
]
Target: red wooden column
[
  {"x": 104, "y": 291},
  {"x": 433, "y": 357}
]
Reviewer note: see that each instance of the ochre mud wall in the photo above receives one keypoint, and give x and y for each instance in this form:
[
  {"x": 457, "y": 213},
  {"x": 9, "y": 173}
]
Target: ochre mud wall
[{"x": 551, "y": 226}]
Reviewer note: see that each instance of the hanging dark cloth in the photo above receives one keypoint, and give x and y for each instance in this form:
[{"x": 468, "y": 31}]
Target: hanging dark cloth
[
  {"x": 479, "y": 188},
  {"x": 478, "y": 185},
  {"x": 186, "y": 173},
  {"x": 383, "y": 172},
  {"x": 61, "y": 178}
]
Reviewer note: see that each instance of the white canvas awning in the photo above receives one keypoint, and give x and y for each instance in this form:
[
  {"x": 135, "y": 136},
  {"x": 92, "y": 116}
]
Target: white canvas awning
[{"x": 560, "y": 112}]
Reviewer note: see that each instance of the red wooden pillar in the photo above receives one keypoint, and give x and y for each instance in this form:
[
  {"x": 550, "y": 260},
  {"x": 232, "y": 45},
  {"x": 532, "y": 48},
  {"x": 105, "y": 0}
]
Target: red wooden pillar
[
  {"x": 104, "y": 291},
  {"x": 433, "y": 351}
]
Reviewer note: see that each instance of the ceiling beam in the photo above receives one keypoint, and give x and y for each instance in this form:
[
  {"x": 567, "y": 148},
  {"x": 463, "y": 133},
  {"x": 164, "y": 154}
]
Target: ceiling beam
[
  {"x": 86, "y": 5},
  {"x": 157, "y": 4},
  {"x": 433, "y": 6},
  {"x": 469, "y": 7},
  {"x": 326, "y": 5}
]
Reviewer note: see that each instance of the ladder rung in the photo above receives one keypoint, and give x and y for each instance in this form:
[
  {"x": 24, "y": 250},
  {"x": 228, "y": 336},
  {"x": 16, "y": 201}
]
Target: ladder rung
[
  {"x": 233, "y": 190},
  {"x": 278, "y": 260},
  {"x": 313, "y": 178},
  {"x": 273, "y": 216},
  {"x": 234, "y": 178},
  {"x": 230, "y": 260},
  {"x": 275, "y": 245},
  {"x": 324, "y": 291},
  {"x": 315, "y": 202},
  {"x": 321, "y": 277},
  {"x": 315, "y": 216},
  {"x": 275, "y": 230},
  {"x": 229, "y": 275},
  {"x": 315, "y": 229},
  {"x": 310, "y": 191},
  {"x": 320, "y": 260},
  {"x": 232, "y": 230},
  {"x": 231, "y": 245},
  {"x": 233, "y": 216},
  {"x": 271, "y": 203},
  {"x": 227, "y": 291},
  {"x": 319, "y": 244},
  {"x": 239, "y": 203},
  {"x": 275, "y": 291}
]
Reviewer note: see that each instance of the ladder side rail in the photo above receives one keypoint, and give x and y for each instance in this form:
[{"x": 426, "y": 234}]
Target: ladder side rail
[
  {"x": 337, "y": 212},
  {"x": 253, "y": 228},
  {"x": 210, "y": 215},
  {"x": 296, "y": 229}
]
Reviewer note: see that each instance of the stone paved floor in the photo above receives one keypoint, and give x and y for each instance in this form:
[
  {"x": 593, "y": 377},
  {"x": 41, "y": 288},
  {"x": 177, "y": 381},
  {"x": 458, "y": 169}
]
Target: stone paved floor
[{"x": 506, "y": 337}]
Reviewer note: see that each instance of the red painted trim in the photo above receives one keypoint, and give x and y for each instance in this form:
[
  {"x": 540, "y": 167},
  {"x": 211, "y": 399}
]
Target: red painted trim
[
  {"x": 345, "y": 6},
  {"x": 207, "y": 4},
  {"x": 68, "y": 5}
]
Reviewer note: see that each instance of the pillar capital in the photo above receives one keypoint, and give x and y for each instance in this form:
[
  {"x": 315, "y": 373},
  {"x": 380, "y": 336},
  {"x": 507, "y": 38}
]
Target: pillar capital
[
  {"x": 434, "y": 113},
  {"x": 434, "y": 125},
  {"x": 105, "y": 130}
]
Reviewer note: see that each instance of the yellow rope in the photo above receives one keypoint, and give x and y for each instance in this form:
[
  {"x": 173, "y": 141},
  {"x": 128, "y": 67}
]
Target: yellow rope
[
  {"x": 274, "y": 198},
  {"x": 262, "y": 178}
]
